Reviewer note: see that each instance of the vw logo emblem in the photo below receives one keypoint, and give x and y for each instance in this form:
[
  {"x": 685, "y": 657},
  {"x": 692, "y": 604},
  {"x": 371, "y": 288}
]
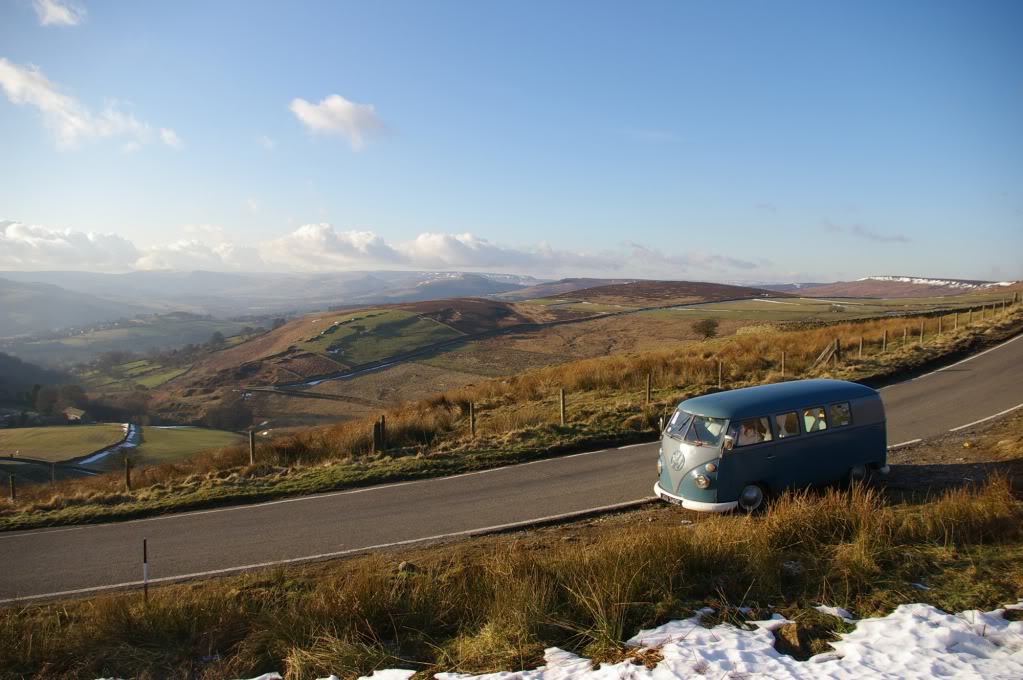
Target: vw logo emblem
[{"x": 678, "y": 460}]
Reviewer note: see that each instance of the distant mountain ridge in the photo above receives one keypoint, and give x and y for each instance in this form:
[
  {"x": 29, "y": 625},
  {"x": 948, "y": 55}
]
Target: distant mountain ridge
[
  {"x": 62, "y": 299},
  {"x": 906, "y": 286}
]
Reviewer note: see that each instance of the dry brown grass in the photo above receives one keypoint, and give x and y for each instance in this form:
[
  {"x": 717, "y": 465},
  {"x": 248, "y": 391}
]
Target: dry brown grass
[{"x": 475, "y": 610}]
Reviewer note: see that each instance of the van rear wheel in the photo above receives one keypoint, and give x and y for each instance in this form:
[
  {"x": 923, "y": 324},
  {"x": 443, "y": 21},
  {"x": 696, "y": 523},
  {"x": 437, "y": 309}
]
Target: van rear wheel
[
  {"x": 859, "y": 474},
  {"x": 752, "y": 498}
]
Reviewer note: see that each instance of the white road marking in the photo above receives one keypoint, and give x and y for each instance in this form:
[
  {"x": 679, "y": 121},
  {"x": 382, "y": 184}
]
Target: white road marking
[
  {"x": 338, "y": 553},
  {"x": 976, "y": 422},
  {"x": 632, "y": 446},
  {"x": 945, "y": 368},
  {"x": 899, "y": 446}
]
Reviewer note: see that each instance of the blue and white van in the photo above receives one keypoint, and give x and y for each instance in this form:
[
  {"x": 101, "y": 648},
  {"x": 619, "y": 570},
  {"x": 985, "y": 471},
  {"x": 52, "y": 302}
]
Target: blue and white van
[{"x": 733, "y": 449}]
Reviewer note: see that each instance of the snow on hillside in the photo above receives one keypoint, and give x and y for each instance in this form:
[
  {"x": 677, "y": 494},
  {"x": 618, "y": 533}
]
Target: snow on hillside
[
  {"x": 914, "y": 641},
  {"x": 948, "y": 283}
]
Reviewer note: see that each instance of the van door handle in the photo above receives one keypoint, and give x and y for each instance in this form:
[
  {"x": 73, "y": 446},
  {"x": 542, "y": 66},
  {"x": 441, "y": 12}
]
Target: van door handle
[{"x": 770, "y": 457}]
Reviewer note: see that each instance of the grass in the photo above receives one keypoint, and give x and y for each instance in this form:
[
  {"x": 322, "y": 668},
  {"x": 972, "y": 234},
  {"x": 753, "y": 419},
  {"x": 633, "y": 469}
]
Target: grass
[
  {"x": 59, "y": 442},
  {"x": 170, "y": 445},
  {"x": 495, "y": 604},
  {"x": 516, "y": 421},
  {"x": 371, "y": 336}
]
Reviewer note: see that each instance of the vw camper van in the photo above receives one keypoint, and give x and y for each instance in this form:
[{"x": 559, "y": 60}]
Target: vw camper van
[{"x": 733, "y": 449}]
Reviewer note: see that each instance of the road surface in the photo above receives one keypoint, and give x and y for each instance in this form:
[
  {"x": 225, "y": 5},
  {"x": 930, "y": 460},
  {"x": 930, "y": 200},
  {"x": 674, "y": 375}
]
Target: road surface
[{"x": 85, "y": 559}]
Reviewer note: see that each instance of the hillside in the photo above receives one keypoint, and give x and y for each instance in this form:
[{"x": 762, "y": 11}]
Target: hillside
[
  {"x": 907, "y": 286},
  {"x": 17, "y": 378},
  {"x": 32, "y": 307},
  {"x": 164, "y": 331},
  {"x": 659, "y": 293},
  {"x": 560, "y": 287}
]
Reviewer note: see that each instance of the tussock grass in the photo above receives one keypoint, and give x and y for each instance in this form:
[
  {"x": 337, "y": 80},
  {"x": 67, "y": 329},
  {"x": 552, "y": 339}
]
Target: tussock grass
[
  {"x": 473, "y": 611},
  {"x": 517, "y": 419}
]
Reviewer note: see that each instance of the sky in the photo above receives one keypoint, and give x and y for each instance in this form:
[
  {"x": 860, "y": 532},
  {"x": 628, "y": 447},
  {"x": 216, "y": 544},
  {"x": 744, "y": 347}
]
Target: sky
[{"x": 728, "y": 141}]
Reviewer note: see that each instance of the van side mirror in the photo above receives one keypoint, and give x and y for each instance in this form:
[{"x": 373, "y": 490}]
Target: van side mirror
[{"x": 729, "y": 442}]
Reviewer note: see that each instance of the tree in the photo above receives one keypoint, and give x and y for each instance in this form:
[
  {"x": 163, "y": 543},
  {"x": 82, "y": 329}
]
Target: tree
[
  {"x": 217, "y": 339},
  {"x": 708, "y": 328}
]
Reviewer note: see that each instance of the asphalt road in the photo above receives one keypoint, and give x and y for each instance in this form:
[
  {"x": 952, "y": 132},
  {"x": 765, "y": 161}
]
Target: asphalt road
[{"x": 85, "y": 559}]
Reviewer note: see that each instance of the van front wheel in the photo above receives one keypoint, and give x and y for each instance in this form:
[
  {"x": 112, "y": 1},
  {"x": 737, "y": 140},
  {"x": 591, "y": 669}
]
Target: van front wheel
[{"x": 752, "y": 498}]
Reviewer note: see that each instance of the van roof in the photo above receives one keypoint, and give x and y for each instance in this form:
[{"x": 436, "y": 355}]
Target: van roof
[{"x": 775, "y": 398}]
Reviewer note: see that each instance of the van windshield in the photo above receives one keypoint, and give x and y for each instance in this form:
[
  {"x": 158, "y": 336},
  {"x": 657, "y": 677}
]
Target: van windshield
[
  {"x": 706, "y": 431},
  {"x": 677, "y": 424}
]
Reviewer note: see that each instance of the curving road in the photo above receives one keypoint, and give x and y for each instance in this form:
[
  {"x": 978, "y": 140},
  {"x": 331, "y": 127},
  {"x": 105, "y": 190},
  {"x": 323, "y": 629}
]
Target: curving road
[{"x": 85, "y": 559}]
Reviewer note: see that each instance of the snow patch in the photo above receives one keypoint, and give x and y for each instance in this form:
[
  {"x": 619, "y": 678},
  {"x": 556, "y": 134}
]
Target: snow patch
[
  {"x": 131, "y": 440},
  {"x": 837, "y": 612},
  {"x": 948, "y": 283},
  {"x": 914, "y": 641}
]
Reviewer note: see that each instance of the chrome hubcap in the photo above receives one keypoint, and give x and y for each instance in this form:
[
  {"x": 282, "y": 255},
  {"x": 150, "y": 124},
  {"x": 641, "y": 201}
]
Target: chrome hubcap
[{"x": 751, "y": 497}]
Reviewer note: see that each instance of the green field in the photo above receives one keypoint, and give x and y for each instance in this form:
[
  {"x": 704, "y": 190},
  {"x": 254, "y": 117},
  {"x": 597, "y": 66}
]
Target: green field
[
  {"x": 58, "y": 442},
  {"x": 168, "y": 445},
  {"x": 371, "y": 336},
  {"x": 138, "y": 335},
  {"x": 125, "y": 376}
]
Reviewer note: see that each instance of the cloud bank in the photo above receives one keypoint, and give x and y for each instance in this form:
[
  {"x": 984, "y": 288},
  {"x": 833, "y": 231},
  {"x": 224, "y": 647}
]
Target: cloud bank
[
  {"x": 59, "y": 12},
  {"x": 322, "y": 247},
  {"x": 70, "y": 122},
  {"x": 335, "y": 115}
]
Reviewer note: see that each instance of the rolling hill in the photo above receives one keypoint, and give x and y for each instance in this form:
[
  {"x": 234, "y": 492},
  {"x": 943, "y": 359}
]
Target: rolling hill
[
  {"x": 663, "y": 293},
  {"x": 560, "y": 287},
  {"x": 907, "y": 286},
  {"x": 27, "y": 308}
]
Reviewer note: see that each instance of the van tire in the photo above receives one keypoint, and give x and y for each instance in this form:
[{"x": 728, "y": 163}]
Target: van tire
[
  {"x": 752, "y": 498},
  {"x": 860, "y": 474}
]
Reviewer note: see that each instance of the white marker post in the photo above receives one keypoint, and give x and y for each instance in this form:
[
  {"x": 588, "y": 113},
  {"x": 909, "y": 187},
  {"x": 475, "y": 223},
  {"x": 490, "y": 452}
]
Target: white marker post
[{"x": 145, "y": 572}]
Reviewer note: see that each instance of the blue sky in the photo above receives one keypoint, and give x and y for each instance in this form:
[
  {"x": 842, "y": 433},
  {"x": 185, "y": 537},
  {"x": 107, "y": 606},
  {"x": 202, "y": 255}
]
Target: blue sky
[{"x": 709, "y": 140}]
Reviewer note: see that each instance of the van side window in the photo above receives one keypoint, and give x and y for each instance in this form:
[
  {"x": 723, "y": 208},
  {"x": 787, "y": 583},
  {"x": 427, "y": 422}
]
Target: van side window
[
  {"x": 840, "y": 414},
  {"x": 754, "y": 431},
  {"x": 786, "y": 424},
  {"x": 813, "y": 419}
]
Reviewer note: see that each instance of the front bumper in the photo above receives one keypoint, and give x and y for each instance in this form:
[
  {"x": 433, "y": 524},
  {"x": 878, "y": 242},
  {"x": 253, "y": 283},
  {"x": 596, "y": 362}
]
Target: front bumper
[{"x": 699, "y": 506}]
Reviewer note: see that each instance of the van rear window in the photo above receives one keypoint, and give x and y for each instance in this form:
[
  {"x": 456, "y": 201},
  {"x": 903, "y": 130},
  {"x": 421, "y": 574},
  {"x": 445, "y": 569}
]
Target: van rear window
[{"x": 840, "y": 414}]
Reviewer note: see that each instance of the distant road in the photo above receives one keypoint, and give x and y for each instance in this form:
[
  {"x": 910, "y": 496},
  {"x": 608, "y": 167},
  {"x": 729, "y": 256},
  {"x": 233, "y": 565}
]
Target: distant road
[{"x": 89, "y": 558}]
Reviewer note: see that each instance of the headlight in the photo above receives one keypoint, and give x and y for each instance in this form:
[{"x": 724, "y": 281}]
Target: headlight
[
  {"x": 659, "y": 467},
  {"x": 702, "y": 482}
]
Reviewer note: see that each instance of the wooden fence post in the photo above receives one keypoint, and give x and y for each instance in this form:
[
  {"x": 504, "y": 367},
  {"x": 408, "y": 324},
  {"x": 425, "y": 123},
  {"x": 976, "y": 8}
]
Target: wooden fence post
[
  {"x": 719, "y": 373},
  {"x": 145, "y": 571},
  {"x": 838, "y": 351},
  {"x": 884, "y": 341},
  {"x": 783, "y": 364},
  {"x": 472, "y": 419},
  {"x": 939, "y": 325},
  {"x": 383, "y": 433},
  {"x": 860, "y": 355},
  {"x": 376, "y": 436},
  {"x": 955, "y": 324},
  {"x": 648, "y": 379},
  {"x": 561, "y": 395},
  {"x": 921, "y": 332},
  {"x": 905, "y": 335},
  {"x": 252, "y": 447},
  {"x": 970, "y": 322},
  {"x": 127, "y": 472},
  {"x": 14, "y": 489}
]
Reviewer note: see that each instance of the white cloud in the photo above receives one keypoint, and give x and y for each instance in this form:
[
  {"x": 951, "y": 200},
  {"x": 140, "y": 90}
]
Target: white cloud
[
  {"x": 59, "y": 12},
  {"x": 170, "y": 138},
  {"x": 68, "y": 119},
  {"x": 321, "y": 247},
  {"x": 335, "y": 115},
  {"x": 30, "y": 246},
  {"x": 253, "y": 205}
]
